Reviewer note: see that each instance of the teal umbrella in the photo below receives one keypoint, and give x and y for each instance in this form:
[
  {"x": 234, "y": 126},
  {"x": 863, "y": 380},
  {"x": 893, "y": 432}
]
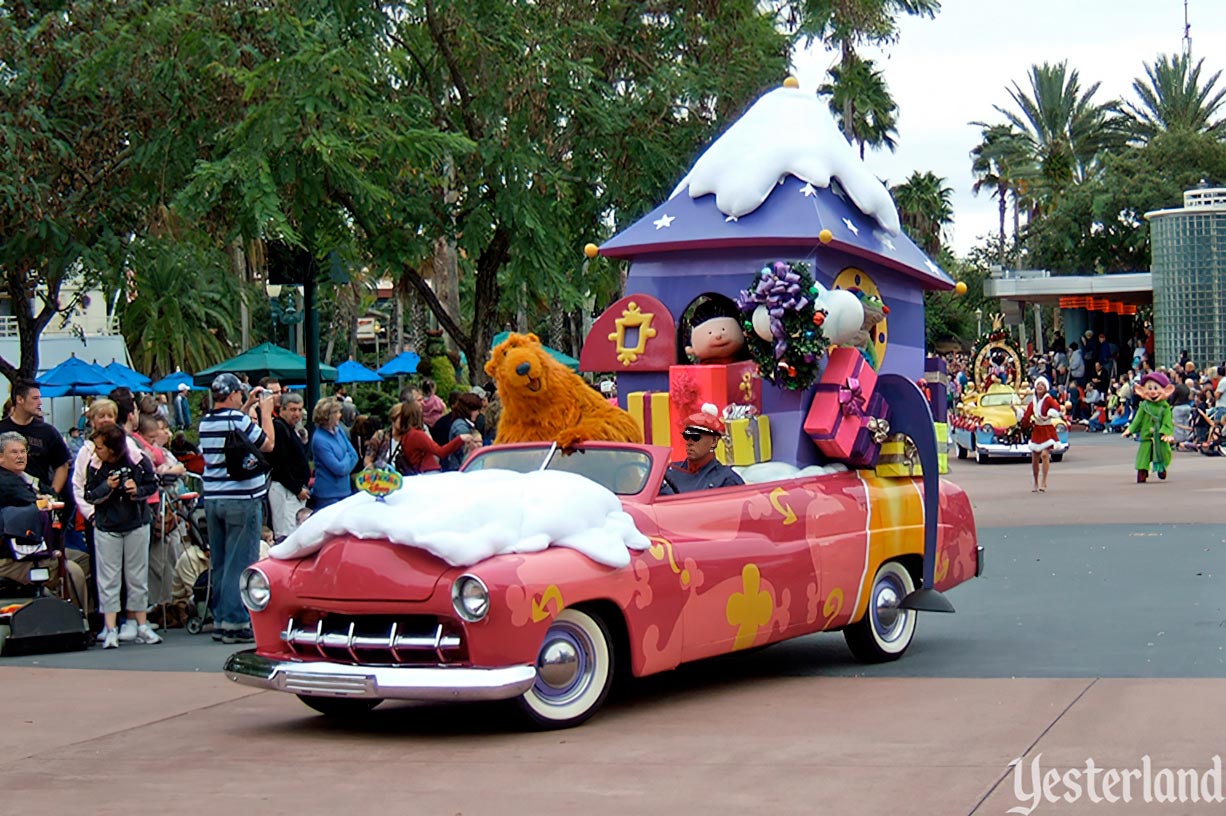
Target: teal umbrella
[
  {"x": 266, "y": 360},
  {"x": 561, "y": 357}
]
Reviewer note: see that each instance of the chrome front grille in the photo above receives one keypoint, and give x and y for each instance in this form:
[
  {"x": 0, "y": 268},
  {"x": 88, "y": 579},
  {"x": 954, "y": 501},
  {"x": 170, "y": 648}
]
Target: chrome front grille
[
  {"x": 375, "y": 639},
  {"x": 305, "y": 682}
]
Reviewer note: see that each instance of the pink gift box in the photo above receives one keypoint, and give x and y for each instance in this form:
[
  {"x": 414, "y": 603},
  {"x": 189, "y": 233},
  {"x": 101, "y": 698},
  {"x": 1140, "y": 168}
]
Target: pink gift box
[
  {"x": 690, "y": 386},
  {"x": 841, "y": 402}
]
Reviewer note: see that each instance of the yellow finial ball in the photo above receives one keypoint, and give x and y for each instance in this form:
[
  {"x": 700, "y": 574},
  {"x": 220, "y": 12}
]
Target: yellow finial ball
[
  {"x": 791, "y": 82},
  {"x": 825, "y": 236},
  {"x": 960, "y": 288},
  {"x": 591, "y": 250}
]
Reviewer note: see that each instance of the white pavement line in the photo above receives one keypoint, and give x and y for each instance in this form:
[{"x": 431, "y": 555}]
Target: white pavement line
[{"x": 1009, "y": 769}]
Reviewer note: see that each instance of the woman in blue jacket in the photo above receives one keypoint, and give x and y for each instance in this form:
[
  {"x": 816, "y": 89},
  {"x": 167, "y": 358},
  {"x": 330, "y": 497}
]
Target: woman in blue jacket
[{"x": 333, "y": 453}]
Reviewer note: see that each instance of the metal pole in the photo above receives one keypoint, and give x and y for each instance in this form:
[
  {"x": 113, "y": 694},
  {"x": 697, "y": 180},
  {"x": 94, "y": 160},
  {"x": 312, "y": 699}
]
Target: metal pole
[
  {"x": 1038, "y": 328},
  {"x": 311, "y": 351}
]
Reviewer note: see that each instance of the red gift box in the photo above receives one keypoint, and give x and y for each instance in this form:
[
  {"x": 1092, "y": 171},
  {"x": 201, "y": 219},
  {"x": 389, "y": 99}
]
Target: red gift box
[
  {"x": 841, "y": 402},
  {"x": 691, "y": 386}
]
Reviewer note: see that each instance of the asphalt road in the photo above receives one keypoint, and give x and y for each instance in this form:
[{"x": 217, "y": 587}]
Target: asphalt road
[{"x": 1121, "y": 596}]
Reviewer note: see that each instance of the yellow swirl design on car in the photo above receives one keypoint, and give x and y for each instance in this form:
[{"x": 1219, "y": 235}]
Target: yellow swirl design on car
[
  {"x": 749, "y": 609},
  {"x": 661, "y": 547},
  {"x": 539, "y": 610}
]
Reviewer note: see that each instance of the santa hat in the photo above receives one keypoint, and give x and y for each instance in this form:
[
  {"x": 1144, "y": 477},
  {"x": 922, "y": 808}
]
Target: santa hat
[{"x": 706, "y": 421}]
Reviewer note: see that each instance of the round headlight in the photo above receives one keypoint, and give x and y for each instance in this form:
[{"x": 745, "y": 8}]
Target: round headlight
[
  {"x": 254, "y": 589},
  {"x": 470, "y": 598}
]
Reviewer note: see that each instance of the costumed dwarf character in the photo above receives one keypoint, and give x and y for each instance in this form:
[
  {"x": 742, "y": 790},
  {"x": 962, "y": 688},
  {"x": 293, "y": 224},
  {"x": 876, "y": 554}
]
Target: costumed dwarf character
[
  {"x": 700, "y": 470},
  {"x": 1153, "y": 426},
  {"x": 874, "y": 312},
  {"x": 1039, "y": 419},
  {"x": 715, "y": 334}
]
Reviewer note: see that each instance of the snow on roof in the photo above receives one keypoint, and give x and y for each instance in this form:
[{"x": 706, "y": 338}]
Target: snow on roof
[
  {"x": 788, "y": 131},
  {"x": 464, "y": 518}
]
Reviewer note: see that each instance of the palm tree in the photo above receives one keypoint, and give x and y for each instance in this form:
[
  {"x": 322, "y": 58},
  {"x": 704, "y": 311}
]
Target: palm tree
[
  {"x": 1173, "y": 98},
  {"x": 843, "y": 24},
  {"x": 859, "y": 88},
  {"x": 999, "y": 165},
  {"x": 925, "y": 206},
  {"x": 1063, "y": 130},
  {"x": 182, "y": 308}
]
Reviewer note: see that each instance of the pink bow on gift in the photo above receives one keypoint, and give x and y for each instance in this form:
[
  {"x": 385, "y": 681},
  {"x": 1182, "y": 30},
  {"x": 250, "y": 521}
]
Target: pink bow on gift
[{"x": 851, "y": 398}]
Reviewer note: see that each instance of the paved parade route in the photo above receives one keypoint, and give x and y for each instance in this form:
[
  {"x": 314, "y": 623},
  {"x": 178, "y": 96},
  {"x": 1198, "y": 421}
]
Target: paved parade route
[{"x": 1097, "y": 633}]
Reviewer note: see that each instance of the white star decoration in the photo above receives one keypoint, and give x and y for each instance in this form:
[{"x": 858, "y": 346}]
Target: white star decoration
[
  {"x": 855, "y": 230},
  {"x": 888, "y": 244},
  {"x": 936, "y": 270},
  {"x": 664, "y": 221},
  {"x": 808, "y": 191}
]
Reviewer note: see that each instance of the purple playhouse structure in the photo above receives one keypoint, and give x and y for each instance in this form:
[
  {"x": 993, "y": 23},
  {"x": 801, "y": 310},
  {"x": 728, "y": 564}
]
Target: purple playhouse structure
[{"x": 781, "y": 184}]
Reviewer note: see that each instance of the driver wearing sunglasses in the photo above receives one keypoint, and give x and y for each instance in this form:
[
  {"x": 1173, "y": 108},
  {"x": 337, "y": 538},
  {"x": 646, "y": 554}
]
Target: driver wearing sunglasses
[{"x": 700, "y": 470}]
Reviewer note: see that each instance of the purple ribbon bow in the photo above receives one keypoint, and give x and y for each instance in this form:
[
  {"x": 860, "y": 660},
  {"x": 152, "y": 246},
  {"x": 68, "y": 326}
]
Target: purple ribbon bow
[{"x": 851, "y": 398}]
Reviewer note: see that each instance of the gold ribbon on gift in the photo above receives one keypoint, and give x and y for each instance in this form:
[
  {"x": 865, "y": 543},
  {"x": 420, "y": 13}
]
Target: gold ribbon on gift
[{"x": 879, "y": 428}]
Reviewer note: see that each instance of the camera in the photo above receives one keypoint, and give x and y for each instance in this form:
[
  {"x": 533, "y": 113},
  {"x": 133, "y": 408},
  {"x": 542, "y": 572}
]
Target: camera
[{"x": 123, "y": 473}]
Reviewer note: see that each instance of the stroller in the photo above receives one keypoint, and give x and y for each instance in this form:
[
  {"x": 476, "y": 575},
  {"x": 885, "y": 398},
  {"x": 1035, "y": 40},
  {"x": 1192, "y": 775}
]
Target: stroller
[{"x": 195, "y": 536}]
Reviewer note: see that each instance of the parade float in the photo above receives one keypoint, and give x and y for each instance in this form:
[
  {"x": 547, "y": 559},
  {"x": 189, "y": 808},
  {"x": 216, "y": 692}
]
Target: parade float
[
  {"x": 776, "y": 287},
  {"x": 986, "y": 420}
]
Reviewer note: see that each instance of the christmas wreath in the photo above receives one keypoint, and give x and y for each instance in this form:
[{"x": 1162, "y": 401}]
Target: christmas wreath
[{"x": 782, "y": 325}]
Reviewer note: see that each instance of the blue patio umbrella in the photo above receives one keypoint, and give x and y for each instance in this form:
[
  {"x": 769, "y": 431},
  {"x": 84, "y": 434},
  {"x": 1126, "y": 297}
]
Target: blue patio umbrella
[
  {"x": 132, "y": 378},
  {"x": 405, "y": 362},
  {"x": 75, "y": 377},
  {"x": 353, "y": 371},
  {"x": 171, "y": 383}
]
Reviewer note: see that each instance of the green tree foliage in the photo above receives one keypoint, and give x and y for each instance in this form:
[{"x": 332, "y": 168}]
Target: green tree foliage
[
  {"x": 843, "y": 25},
  {"x": 925, "y": 207},
  {"x": 182, "y": 308},
  {"x": 1063, "y": 130},
  {"x": 859, "y": 88},
  {"x": 1172, "y": 97},
  {"x": 1000, "y": 165},
  {"x": 583, "y": 114},
  {"x": 1100, "y": 226}
]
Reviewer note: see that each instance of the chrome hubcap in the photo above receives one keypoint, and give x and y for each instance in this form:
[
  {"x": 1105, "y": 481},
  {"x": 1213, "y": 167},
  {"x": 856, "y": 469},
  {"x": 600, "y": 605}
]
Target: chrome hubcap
[
  {"x": 889, "y": 619},
  {"x": 558, "y": 664}
]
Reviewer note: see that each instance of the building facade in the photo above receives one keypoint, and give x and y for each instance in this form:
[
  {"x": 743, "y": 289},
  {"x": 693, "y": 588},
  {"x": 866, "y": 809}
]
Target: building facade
[{"x": 1189, "y": 278}]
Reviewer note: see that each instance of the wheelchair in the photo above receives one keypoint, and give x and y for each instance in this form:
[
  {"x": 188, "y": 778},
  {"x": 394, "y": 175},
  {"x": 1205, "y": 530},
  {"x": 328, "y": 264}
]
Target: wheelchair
[{"x": 32, "y": 619}]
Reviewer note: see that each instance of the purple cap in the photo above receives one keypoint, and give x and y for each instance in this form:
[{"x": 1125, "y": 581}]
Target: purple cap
[{"x": 1156, "y": 377}]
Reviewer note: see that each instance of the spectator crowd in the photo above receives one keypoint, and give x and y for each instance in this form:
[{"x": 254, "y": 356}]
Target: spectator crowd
[
  {"x": 1096, "y": 381},
  {"x": 119, "y": 487}
]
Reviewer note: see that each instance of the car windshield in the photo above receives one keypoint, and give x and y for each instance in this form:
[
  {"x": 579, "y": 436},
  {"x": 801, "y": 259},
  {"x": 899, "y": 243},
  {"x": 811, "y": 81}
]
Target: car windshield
[
  {"x": 624, "y": 472},
  {"x": 996, "y": 400}
]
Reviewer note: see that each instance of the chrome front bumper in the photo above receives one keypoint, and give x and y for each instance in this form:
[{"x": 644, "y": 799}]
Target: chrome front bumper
[
  {"x": 1016, "y": 451},
  {"x": 325, "y": 679}
]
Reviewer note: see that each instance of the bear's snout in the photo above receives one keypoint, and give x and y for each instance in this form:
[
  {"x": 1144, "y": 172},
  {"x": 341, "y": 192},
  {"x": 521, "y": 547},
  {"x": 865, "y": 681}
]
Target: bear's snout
[{"x": 523, "y": 368}]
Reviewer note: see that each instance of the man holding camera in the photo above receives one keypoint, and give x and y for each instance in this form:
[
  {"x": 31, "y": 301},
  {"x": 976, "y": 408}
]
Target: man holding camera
[{"x": 233, "y": 501}]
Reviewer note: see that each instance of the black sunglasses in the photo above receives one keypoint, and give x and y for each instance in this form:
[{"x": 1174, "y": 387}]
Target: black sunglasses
[{"x": 692, "y": 436}]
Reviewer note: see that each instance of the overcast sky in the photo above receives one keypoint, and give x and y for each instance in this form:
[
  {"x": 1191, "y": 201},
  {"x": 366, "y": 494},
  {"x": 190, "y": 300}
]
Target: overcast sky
[{"x": 947, "y": 72}]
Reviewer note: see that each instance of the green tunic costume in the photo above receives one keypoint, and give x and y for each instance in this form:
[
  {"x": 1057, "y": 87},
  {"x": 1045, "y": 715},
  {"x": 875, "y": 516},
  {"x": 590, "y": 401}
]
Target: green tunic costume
[{"x": 1153, "y": 421}]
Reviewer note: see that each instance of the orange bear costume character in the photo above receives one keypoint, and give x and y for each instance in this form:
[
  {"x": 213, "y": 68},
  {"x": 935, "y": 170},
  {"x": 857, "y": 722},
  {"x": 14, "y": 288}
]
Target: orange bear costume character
[{"x": 544, "y": 401}]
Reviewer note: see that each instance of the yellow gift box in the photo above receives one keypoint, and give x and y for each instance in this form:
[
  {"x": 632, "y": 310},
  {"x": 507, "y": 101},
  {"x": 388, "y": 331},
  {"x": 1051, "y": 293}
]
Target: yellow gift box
[
  {"x": 749, "y": 440},
  {"x": 899, "y": 458},
  {"x": 650, "y": 411}
]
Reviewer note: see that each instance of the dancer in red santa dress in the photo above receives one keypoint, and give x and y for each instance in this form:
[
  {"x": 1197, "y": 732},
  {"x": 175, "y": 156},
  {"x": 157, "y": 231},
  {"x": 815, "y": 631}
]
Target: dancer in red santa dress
[{"x": 1040, "y": 421}]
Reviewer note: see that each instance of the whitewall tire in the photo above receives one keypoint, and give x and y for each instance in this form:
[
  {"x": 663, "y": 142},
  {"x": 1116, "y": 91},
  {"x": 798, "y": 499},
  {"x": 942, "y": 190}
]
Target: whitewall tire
[
  {"x": 574, "y": 671},
  {"x": 885, "y": 631}
]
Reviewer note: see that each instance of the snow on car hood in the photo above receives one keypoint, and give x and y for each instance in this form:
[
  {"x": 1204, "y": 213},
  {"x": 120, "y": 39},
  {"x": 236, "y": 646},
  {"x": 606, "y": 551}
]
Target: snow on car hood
[{"x": 464, "y": 518}]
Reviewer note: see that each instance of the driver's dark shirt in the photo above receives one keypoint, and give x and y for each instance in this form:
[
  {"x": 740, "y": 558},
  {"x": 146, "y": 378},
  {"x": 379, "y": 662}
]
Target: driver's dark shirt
[{"x": 712, "y": 474}]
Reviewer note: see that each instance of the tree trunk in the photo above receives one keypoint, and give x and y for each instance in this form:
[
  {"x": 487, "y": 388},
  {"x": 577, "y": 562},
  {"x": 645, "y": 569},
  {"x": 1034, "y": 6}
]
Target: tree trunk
[
  {"x": 445, "y": 274},
  {"x": 1004, "y": 205},
  {"x": 486, "y": 297},
  {"x": 848, "y": 108}
]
